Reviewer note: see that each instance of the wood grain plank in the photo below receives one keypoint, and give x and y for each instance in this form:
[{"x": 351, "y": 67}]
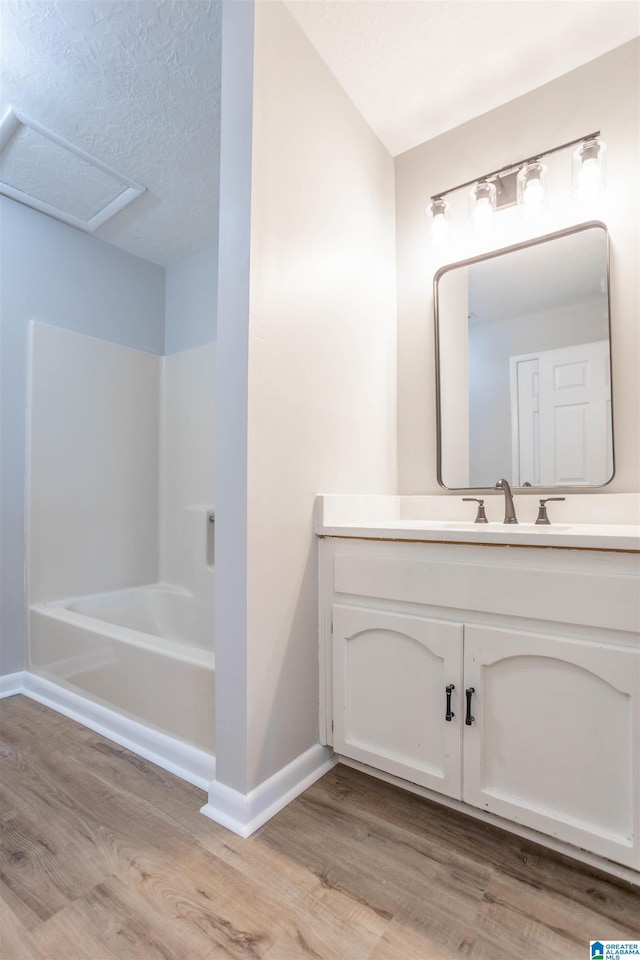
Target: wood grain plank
[
  {"x": 403, "y": 943},
  {"x": 453, "y": 836},
  {"x": 543, "y": 921},
  {"x": 40, "y": 872},
  {"x": 16, "y": 942},
  {"x": 120, "y": 865}
]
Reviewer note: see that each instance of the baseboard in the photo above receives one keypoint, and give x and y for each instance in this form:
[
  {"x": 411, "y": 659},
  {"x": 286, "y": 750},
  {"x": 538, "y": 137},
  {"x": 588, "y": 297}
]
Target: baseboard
[
  {"x": 189, "y": 763},
  {"x": 245, "y": 813},
  {"x": 11, "y": 684}
]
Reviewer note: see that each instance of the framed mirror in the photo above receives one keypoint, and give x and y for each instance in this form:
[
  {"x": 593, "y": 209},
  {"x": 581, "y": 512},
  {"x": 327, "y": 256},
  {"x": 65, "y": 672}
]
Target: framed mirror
[{"x": 523, "y": 365}]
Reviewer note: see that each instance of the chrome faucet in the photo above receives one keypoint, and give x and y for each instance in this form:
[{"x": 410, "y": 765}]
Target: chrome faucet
[{"x": 509, "y": 509}]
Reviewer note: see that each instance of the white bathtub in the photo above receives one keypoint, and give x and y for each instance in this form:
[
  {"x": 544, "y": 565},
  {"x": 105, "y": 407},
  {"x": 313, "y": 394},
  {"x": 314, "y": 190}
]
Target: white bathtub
[{"x": 146, "y": 652}]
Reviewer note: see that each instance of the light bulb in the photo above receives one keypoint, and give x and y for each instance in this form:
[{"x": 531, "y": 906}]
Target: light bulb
[
  {"x": 482, "y": 200},
  {"x": 530, "y": 188},
  {"x": 484, "y": 215},
  {"x": 588, "y": 169},
  {"x": 589, "y": 179},
  {"x": 439, "y": 223},
  {"x": 533, "y": 197}
]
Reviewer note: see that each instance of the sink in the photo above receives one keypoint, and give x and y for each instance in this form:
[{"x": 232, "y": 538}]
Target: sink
[{"x": 362, "y": 523}]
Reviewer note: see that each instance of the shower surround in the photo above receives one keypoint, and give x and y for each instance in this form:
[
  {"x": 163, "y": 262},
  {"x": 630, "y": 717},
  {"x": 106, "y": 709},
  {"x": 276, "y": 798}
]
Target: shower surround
[{"x": 120, "y": 540}]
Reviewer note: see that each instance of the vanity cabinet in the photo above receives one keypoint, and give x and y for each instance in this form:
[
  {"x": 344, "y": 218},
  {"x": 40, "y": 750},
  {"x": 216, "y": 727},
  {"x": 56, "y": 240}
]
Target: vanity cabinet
[{"x": 552, "y": 738}]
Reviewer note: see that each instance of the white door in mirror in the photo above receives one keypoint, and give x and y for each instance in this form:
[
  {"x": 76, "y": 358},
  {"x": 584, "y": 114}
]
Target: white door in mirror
[{"x": 561, "y": 420}]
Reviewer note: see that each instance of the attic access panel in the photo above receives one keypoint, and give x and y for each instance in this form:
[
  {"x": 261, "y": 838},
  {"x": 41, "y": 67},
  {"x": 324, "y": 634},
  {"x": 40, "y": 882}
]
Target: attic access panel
[{"x": 44, "y": 171}]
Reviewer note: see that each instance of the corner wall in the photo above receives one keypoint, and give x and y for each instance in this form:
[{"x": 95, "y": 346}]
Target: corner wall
[
  {"x": 322, "y": 362},
  {"x": 602, "y": 95},
  {"x": 306, "y": 383},
  {"x": 191, "y": 291}
]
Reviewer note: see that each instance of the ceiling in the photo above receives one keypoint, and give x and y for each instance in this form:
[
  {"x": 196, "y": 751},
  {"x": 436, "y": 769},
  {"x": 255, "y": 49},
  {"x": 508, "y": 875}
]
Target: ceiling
[
  {"x": 416, "y": 68},
  {"x": 136, "y": 83}
]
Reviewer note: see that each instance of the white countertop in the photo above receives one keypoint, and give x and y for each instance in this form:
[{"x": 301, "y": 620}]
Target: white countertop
[
  {"x": 581, "y": 536},
  {"x": 380, "y": 518}
]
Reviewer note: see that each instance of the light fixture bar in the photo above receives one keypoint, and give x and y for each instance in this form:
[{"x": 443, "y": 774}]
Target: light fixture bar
[{"x": 510, "y": 167}]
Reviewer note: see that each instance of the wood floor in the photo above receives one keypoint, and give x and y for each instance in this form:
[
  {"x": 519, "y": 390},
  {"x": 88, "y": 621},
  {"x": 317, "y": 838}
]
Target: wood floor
[{"x": 103, "y": 855}]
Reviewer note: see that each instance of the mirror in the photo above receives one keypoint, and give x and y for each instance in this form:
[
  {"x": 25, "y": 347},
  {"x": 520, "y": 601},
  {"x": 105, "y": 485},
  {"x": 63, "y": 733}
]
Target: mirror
[{"x": 523, "y": 366}]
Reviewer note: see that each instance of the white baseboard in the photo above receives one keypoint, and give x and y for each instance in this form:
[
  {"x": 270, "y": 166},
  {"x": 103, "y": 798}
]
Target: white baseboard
[
  {"x": 189, "y": 763},
  {"x": 244, "y": 813},
  {"x": 11, "y": 684}
]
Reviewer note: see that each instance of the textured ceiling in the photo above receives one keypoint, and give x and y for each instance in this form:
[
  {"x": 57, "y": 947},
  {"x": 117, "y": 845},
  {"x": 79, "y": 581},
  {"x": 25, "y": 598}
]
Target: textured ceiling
[
  {"x": 136, "y": 83},
  {"x": 416, "y": 68}
]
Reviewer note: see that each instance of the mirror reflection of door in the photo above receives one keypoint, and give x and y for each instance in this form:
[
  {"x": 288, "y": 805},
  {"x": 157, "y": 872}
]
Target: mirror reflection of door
[{"x": 561, "y": 416}]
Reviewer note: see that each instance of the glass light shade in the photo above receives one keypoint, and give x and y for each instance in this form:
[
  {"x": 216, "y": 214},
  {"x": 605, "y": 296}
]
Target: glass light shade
[
  {"x": 482, "y": 206},
  {"x": 439, "y": 223},
  {"x": 587, "y": 175},
  {"x": 531, "y": 189}
]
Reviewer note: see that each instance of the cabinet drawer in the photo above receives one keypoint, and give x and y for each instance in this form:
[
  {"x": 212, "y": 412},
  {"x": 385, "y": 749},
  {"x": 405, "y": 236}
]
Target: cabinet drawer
[{"x": 488, "y": 580}]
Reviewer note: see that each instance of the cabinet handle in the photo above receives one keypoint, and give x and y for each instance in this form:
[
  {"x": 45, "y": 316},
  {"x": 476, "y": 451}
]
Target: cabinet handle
[
  {"x": 449, "y": 688},
  {"x": 469, "y": 693}
]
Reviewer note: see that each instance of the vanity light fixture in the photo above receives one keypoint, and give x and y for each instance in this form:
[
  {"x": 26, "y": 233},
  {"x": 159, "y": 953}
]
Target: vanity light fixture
[
  {"x": 439, "y": 222},
  {"x": 482, "y": 206},
  {"x": 523, "y": 183},
  {"x": 587, "y": 176},
  {"x": 531, "y": 189}
]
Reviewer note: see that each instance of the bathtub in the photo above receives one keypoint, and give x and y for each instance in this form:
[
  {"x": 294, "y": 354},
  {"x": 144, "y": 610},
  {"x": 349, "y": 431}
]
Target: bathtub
[{"x": 146, "y": 652}]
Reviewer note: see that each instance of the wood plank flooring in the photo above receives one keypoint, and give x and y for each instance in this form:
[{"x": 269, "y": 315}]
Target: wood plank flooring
[{"x": 103, "y": 855}]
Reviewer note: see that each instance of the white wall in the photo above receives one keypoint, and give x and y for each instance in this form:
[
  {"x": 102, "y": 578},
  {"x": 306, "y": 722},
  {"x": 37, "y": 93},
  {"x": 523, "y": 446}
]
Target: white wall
[
  {"x": 190, "y": 304},
  {"x": 53, "y": 273},
  {"x": 322, "y": 362},
  {"x": 313, "y": 350},
  {"x": 93, "y": 477},
  {"x": 602, "y": 95}
]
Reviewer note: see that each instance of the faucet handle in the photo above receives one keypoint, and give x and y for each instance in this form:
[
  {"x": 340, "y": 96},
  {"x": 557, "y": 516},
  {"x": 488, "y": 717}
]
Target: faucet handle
[
  {"x": 481, "y": 516},
  {"x": 542, "y": 509}
]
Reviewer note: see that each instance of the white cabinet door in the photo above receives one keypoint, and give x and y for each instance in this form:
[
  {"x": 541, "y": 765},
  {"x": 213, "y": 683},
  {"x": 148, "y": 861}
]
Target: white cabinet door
[
  {"x": 554, "y": 743},
  {"x": 390, "y": 674}
]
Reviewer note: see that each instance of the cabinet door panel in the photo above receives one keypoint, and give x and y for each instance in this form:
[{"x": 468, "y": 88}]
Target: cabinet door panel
[
  {"x": 390, "y": 674},
  {"x": 554, "y": 744}
]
